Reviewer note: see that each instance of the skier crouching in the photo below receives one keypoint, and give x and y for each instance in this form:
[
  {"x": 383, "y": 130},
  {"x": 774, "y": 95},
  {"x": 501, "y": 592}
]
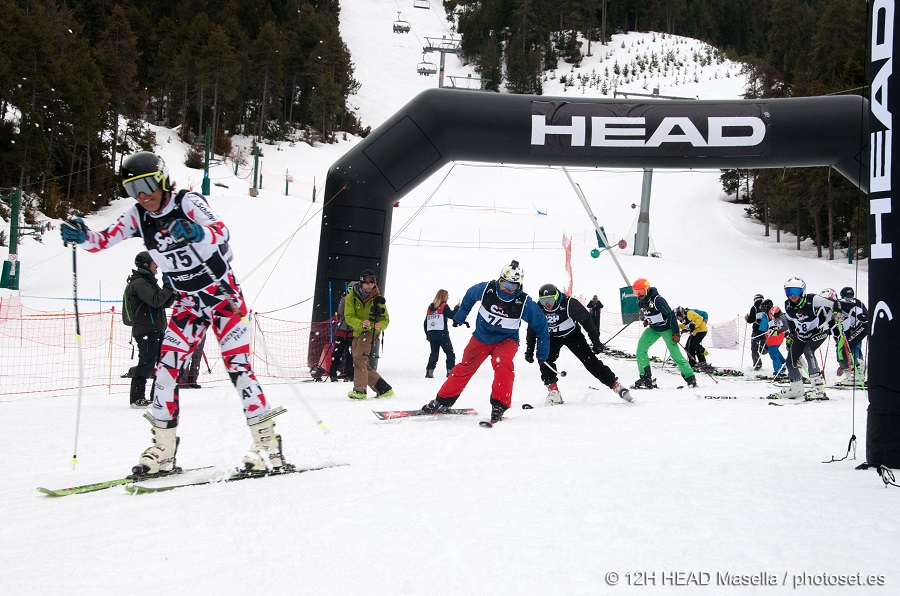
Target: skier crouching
[{"x": 565, "y": 318}]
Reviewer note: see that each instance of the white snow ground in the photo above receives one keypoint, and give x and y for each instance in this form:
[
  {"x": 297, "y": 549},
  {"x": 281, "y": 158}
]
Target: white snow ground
[{"x": 563, "y": 500}]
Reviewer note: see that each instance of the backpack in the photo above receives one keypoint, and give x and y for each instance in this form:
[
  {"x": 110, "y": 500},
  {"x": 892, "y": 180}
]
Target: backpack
[
  {"x": 702, "y": 314},
  {"x": 128, "y": 312}
]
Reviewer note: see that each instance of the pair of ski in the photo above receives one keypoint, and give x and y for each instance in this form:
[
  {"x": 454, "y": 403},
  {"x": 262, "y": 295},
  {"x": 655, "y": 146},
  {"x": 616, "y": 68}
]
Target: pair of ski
[
  {"x": 179, "y": 479},
  {"x": 395, "y": 414}
]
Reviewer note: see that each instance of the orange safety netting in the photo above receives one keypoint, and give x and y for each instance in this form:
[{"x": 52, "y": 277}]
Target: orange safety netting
[{"x": 40, "y": 350}]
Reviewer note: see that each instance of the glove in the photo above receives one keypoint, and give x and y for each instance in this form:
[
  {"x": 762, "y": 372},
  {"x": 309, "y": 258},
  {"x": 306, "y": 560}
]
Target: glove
[
  {"x": 862, "y": 318},
  {"x": 747, "y": 318},
  {"x": 597, "y": 347},
  {"x": 676, "y": 337},
  {"x": 74, "y": 231},
  {"x": 646, "y": 323},
  {"x": 529, "y": 357},
  {"x": 167, "y": 281},
  {"x": 455, "y": 324},
  {"x": 789, "y": 340},
  {"x": 838, "y": 316},
  {"x": 184, "y": 231}
]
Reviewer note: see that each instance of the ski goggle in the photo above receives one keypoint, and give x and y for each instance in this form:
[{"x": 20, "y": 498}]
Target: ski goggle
[
  {"x": 145, "y": 183},
  {"x": 548, "y": 300},
  {"x": 793, "y": 292},
  {"x": 508, "y": 286},
  {"x": 367, "y": 280}
]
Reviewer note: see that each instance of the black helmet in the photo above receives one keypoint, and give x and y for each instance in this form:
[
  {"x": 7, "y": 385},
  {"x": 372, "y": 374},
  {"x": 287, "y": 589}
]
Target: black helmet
[
  {"x": 548, "y": 296},
  {"x": 679, "y": 311},
  {"x": 766, "y": 305},
  {"x": 144, "y": 172},
  {"x": 848, "y": 293},
  {"x": 142, "y": 259},
  {"x": 757, "y": 298}
]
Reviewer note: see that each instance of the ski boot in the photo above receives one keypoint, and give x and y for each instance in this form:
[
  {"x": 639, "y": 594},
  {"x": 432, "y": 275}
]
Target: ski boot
[
  {"x": 691, "y": 380},
  {"x": 497, "y": 410},
  {"x": 622, "y": 390},
  {"x": 646, "y": 381},
  {"x": 553, "y": 397},
  {"x": 818, "y": 392},
  {"x": 792, "y": 391},
  {"x": 137, "y": 392},
  {"x": 140, "y": 404},
  {"x": 265, "y": 454},
  {"x": 382, "y": 389},
  {"x": 354, "y": 394},
  {"x": 429, "y": 373},
  {"x": 159, "y": 458},
  {"x": 439, "y": 405}
]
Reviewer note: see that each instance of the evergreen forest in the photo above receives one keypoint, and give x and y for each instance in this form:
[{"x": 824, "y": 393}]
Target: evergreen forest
[
  {"x": 77, "y": 74},
  {"x": 78, "y": 77}
]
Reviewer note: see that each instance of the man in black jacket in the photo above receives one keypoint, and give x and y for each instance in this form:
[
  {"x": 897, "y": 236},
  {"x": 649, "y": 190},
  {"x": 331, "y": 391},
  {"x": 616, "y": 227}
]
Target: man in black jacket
[
  {"x": 565, "y": 318},
  {"x": 145, "y": 306}
]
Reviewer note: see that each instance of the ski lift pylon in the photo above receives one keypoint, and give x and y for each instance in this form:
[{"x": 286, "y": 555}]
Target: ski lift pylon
[{"x": 401, "y": 26}]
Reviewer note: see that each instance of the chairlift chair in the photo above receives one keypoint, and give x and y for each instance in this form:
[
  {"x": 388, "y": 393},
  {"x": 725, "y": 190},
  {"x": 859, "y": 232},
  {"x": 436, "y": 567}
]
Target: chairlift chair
[
  {"x": 401, "y": 26},
  {"x": 425, "y": 67},
  {"x": 421, "y": 4}
]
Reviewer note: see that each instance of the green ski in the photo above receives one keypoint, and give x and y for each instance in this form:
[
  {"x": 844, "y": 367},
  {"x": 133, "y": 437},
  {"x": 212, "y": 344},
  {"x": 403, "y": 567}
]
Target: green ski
[
  {"x": 89, "y": 488},
  {"x": 138, "y": 488}
]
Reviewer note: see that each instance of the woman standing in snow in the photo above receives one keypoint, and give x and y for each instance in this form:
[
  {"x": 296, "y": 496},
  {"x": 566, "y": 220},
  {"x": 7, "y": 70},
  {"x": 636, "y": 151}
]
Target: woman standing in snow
[{"x": 438, "y": 333}]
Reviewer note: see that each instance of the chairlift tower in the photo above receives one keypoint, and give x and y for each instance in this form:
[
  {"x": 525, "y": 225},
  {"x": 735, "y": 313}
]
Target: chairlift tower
[
  {"x": 444, "y": 46},
  {"x": 642, "y": 237}
]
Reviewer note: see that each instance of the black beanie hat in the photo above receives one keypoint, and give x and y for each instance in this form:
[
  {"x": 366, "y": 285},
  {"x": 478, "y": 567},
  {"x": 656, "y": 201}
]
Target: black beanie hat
[{"x": 143, "y": 260}]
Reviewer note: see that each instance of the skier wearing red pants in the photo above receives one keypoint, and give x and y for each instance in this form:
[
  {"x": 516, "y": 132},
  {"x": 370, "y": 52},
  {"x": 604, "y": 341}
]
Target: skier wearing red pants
[
  {"x": 504, "y": 305},
  {"x": 190, "y": 245}
]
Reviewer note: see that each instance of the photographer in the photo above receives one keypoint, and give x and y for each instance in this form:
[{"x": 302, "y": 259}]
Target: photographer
[{"x": 366, "y": 313}]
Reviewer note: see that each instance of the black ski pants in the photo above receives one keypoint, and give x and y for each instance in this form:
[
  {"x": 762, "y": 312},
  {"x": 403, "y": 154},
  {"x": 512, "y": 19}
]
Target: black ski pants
[
  {"x": 694, "y": 348},
  {"x": 578, "y": 345},
  {"x": 148, "y": 345},
  {"x": 441, "y": 344},
  {"x": 757, "y": 347},
  {"x": 807, "y": 348},
  {"x": 340, "y": 358}
]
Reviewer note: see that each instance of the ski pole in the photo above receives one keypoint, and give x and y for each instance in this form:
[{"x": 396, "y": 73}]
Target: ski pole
[
  {"x": 554, "y": 369},
  {"x": 269, "y": 356},
  {"x": 618, "y": 332},
  {"x": 80, "y": 352}
]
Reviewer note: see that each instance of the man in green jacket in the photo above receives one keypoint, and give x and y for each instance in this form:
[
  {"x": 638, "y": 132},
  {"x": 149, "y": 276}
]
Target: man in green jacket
[
  {"x": 366, "y": 312},
  {"x": 659, "y": 322}
]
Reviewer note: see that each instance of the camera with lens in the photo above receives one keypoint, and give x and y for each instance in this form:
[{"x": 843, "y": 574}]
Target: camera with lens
[{"x": 377, "y": 310}]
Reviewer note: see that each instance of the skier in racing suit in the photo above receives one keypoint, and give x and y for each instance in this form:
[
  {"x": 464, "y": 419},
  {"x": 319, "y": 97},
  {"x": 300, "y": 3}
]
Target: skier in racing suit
[{"x": 188, "y": 241}]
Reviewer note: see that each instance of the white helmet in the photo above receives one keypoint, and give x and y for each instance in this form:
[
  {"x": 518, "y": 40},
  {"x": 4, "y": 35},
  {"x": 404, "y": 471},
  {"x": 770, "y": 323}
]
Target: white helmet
[
  {"x": 829, "y": 293},
  {"x": 512, "y": 272},
  {"x": 795, "y": 282}
]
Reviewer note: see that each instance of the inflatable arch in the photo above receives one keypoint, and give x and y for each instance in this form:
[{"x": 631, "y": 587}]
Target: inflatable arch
[{"x": 443, "y": 125}]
